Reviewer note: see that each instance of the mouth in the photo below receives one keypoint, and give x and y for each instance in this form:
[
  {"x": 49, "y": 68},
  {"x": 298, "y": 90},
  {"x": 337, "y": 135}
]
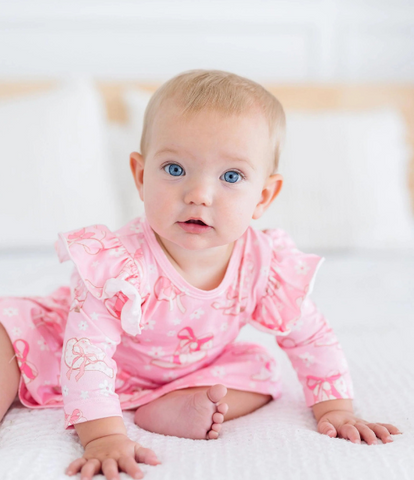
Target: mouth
[
  {"x": 194, "y": 226},
  {"x": 196, "y": 221}
]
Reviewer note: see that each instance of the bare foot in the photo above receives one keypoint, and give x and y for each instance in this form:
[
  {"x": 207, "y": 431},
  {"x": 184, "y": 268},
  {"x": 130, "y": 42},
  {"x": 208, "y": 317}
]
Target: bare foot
[{"x": 187, "y": 413}]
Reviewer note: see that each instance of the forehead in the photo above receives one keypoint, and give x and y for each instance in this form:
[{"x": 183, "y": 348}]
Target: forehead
[{"x": 214, "y": 125}]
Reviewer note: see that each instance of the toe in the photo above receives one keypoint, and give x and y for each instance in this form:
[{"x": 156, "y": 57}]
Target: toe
[
  {"x": 216, "y": 427},
  {"x": 218, "y": 417},
  {"x": 222, "y": 408},
  {"x": 216, "y": 392},
  {"x": 212, "y": 435}
]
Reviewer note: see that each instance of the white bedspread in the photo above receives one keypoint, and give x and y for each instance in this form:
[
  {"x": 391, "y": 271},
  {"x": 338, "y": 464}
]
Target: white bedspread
[{"x": 368, "y": 297}]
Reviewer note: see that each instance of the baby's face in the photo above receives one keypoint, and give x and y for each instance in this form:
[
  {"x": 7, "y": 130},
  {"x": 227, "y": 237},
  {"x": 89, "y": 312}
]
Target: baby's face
[{"x": 208, "y": 167}]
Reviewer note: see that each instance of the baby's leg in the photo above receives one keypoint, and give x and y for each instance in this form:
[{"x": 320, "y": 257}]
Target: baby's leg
[
  {"x": 197, "y": 412},
  {"x": 241, "y": 402},
  {"x": 9, "y": 373}
]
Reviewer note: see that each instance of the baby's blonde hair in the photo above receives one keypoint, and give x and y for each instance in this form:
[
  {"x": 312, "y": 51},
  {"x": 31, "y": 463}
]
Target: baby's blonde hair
[{"x": 228, "y": 93}]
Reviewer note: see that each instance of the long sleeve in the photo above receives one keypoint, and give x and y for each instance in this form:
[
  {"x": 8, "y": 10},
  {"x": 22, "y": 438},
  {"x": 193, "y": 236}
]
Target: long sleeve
[
  {"x": 285, "y": 310},
  {"x": 88, "y": 370},
  {"x": 317, "y": 357}
]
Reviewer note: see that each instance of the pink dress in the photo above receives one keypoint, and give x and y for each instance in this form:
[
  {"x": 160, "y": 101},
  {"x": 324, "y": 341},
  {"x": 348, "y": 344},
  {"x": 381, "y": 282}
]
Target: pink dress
[{"x": 130, "y": 329}]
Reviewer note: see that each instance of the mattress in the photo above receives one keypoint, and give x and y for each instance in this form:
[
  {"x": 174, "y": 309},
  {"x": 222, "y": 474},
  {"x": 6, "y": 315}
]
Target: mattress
[{"x": 368, "y": 298}]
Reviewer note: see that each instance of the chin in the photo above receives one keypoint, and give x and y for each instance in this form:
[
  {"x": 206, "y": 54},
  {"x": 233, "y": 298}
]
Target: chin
[{"x": 196, "y": 244}]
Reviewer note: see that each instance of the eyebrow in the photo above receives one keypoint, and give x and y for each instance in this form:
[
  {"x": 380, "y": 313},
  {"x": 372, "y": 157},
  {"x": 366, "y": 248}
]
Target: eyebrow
[{"x": 229, "y": 157}]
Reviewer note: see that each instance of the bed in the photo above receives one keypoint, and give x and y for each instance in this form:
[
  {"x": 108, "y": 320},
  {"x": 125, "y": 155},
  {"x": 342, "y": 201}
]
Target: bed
[{"x": 366, "y": 293}]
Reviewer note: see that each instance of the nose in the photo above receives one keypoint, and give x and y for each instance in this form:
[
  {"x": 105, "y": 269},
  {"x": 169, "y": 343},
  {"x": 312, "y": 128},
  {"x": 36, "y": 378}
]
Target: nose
[{"x": 199, "y": 192}]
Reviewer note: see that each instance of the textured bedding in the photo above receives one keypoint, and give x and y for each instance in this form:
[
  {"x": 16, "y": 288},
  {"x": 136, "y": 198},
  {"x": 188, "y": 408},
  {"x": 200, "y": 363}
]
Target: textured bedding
[{"x": 368, "y": 298}]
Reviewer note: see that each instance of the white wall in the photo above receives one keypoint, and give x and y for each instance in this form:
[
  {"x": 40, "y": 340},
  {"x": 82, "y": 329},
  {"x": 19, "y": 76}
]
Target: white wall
[{"x": 268, "y": 40}]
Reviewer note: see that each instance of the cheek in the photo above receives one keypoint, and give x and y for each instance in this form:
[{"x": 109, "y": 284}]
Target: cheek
[
  {"x": 151, "y": 186},
  {"x": 245, "y": 203},
  {"x": 158, "y": 198},
  {"x": 239, "y": 209}
]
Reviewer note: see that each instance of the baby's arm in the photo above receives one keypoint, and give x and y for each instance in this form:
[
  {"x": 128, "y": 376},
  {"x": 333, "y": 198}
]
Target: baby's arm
[
  {"x": 318, "y": 359},
  {"x": 108, "y": 449},
  {"x": 88, "y": 376}
]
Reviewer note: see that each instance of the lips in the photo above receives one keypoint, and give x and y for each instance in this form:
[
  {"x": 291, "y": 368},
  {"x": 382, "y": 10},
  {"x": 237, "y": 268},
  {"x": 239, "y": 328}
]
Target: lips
[
  {"x": 197, "y": 221},
  {"x": 195, "y": 226}
]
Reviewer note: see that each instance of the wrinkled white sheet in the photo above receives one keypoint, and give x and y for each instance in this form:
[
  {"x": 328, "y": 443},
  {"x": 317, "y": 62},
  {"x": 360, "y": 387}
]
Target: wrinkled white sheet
[{"x": 368, "y": 298}]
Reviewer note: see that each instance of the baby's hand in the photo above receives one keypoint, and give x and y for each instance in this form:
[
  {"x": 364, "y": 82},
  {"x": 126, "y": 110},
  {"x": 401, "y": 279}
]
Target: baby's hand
[
  {"x": 345, "y": 424},
  {"x": 108, "y": 453}
]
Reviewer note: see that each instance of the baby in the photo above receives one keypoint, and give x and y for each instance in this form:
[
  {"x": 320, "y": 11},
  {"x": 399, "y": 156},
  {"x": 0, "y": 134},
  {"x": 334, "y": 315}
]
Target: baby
[{"x": 150, "y": 320}]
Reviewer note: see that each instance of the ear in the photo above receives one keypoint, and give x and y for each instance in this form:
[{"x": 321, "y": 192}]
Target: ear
[
  {"x": 270, "y": 191},
  {"x": 136, "y": 162}
]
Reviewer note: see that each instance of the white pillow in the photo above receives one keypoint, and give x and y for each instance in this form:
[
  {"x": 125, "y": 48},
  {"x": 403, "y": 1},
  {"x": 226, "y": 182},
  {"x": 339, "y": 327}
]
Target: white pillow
[
  {"x": 136, "y": 102},
  {"x": 345, "y": 178},
  {"x": 54, "y": 167},
  {"x": 125, "y": 139},
  {"x": 345, "y": 181}
]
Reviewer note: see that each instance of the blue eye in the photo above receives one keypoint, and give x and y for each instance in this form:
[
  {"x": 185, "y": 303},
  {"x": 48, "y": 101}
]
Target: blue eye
[
  {"x": 173, "y": 169},
  {"x": 232, "y": 176}
]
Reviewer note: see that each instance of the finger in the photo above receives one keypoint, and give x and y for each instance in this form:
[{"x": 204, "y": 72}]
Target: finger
[
  {"x": 110, "y": 469},
  {"x": 145, "y": 455},
  {"x": 391, "y": 428},
  {"x": 349, "y": 432},
  {"x": 129, "y": 466},
  {"x": 327, "y": 428},
  {"x": 381, "y": 432},
  {"x": 91, "y": 468},
  {"x": 75, "y": 466},
  {"x": 366, "y": 433}
]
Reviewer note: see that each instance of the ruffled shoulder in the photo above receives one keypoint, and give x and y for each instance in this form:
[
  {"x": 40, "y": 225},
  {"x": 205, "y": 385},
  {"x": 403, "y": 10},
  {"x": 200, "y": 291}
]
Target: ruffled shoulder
[
  {"x": 290, "y": 278},
  {"x": 108, "y": 270}
]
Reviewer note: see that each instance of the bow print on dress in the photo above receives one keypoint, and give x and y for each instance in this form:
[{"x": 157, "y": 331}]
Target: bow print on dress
[
  {"x": 327, "y": 388},
  {"x": 190, "y": 349},
  {"x": 75, "y": 417},
  {"x": 87, "y": 240},
  {"x": 165, "y": 290},
  {"x": 28, "y": 369},
  {"x": 84, "y": 356}
]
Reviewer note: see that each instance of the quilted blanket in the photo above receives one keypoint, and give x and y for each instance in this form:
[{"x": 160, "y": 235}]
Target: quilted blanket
[{"x": 368, "y": 298}]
